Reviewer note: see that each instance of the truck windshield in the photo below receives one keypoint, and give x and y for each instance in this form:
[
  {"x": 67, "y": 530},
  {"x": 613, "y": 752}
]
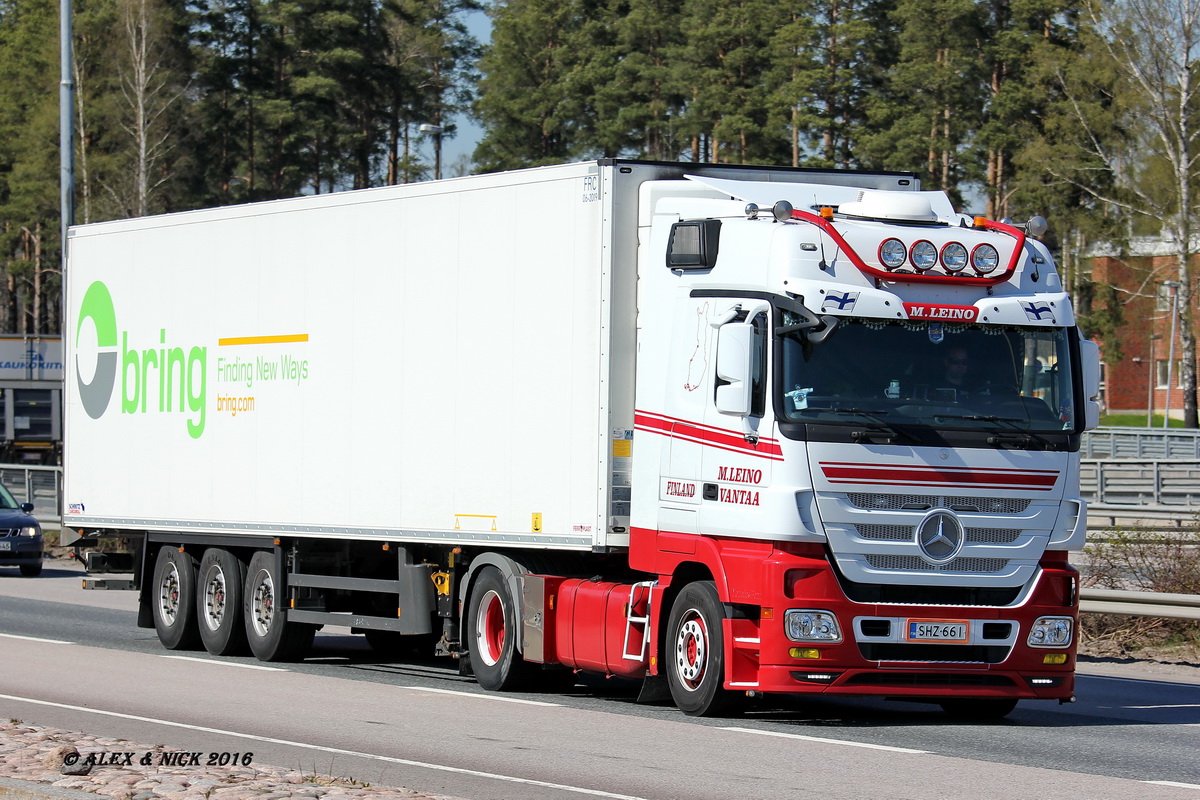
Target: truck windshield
[{"x": 915, "y": 373}]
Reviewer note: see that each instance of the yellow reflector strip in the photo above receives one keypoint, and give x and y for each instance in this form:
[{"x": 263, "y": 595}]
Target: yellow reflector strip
[
  {"x": 1054, "y": 658},
  {"x": 233, "y": 341},
  {"x": 804, "y": 652}
]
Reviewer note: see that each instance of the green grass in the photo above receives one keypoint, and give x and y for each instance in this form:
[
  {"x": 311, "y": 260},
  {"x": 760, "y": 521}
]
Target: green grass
[{"x": 1136, "y": 421}]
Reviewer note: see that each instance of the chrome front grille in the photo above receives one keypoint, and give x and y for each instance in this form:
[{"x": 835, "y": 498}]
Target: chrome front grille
[
  {"x": 979, "y": 566},
  {"x": 905, "y": 533},
  {"x": 921, "y": 502}
]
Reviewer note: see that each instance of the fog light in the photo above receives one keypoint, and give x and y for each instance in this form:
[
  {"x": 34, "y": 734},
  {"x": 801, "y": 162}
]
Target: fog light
[
  {"x": 804, "y": 652},
  {"x": 806, "y": 625},
  {"x": 815, "y": 677},
  {"x": 1050, "y": 632},
  {"x": 1054, "y": 658}
]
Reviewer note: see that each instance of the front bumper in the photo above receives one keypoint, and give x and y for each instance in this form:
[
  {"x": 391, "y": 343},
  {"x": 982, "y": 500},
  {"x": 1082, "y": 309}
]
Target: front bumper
[
  {"x": 21, "y": 550},
  {"x": 874, "y": 658}
]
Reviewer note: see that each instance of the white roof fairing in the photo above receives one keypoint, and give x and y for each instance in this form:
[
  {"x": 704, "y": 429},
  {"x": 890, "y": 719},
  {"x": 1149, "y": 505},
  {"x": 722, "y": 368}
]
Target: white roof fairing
[{"x": 811, "y": 196}]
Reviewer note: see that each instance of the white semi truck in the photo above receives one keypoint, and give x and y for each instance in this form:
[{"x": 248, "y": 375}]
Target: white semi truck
[{"x": 726, "y": 430}]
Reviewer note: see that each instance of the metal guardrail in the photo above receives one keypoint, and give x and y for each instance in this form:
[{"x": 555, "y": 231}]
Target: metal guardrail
[
  {"x": 41, "y": 486},
  {"x": 1140, "y": 604},
  {"x": 1141, "y": 443},
  {"x": 1141, "y": 482}
]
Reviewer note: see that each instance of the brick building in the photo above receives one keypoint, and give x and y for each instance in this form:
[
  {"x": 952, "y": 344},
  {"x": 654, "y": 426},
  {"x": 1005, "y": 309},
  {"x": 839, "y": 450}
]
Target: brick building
[{"x": 1137, "y": 382}]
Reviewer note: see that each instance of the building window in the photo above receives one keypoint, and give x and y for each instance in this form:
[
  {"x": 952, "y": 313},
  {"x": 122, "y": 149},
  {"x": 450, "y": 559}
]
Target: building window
[
  {"x": 1160, "y": 374},
  {"x": 1162, "y": 297}
]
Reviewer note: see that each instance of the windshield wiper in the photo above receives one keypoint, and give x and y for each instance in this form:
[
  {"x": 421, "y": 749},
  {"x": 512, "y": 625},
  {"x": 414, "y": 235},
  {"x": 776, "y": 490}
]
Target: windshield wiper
[
  {"x": 1020, "y": 436},
  {"x": 978, "y": 417},
  {"x": 887, "y": 433}
]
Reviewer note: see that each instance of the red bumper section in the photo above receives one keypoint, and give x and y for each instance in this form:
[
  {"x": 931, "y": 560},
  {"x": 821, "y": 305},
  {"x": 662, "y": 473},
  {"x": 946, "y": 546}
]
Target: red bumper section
[{"x": 600, "y": 627}]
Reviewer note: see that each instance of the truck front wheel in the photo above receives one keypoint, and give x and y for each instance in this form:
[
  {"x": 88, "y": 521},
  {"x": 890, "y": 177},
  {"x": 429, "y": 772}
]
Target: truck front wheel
[
  {"x": 219, "y": 603},
  {"x": 175, "y": 598},
  {"x": 271, "y": 636},
  {"x": 695, "y": 653},
  {"x": 491, "y": 627}
]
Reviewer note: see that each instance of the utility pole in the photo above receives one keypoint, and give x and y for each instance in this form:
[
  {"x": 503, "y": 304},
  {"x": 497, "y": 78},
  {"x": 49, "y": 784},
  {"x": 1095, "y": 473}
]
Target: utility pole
[{"x": 66, "y": 136}]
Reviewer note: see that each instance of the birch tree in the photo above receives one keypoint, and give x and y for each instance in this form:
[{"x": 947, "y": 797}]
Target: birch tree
[{"x": 1150, "y": 172}]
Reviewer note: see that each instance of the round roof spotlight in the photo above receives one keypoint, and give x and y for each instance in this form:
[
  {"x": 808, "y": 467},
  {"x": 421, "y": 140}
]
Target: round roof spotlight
[
  {"x": 751, "y": 210},
  {"x": 924, "y": 255},
  {"x": 782, "y": 210},
  {"x": 954, "y": 257},
  {"x": 892, "y": 253},
  {"x": 985, "y": 259}
]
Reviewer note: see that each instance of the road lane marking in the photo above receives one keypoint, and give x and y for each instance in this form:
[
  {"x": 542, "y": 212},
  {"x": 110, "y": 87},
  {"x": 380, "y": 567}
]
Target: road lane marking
[
  {"x": 1174, "y": 783},
  {"x": 829, "y": 741},
  {"x": 1175, "y": 684},
  {"x": 225, "y": 663},
  {"x": 332, "y": 750},
  {"x": 1180, "y": 705},
  {"x": 478, "y": 696},
  {"x": 34, "y": 639}
]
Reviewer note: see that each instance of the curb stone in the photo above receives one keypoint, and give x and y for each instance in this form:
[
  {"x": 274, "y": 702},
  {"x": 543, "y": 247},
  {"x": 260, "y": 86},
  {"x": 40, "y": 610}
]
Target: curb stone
[
  {"x": 32, "y": 790},
  {"x": 33, "y": 758}
]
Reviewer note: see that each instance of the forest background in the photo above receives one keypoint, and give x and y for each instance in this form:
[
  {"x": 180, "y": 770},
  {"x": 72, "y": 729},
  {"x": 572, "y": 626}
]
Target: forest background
[{"x": 1083, "y": 111}]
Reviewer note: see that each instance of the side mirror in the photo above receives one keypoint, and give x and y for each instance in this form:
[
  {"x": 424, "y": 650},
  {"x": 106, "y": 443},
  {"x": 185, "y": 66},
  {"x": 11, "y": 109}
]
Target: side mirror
[
  {"x": 27, "y": 508},
  {"x": 1089, "y": 354},
  {"x": 735, "y": 342}
]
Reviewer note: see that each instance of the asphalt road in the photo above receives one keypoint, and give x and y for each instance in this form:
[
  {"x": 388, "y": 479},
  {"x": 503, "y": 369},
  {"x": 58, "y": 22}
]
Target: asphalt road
[{"x": 76, "y": 660}]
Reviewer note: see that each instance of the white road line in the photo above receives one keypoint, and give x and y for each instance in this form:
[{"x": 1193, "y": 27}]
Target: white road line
[
  {"x": 829, "y": 741},
  {"x": 34, "y": 639},
  {"x": 225, "y": 663},
  {"x": 479, "y": 696},
  {"x": 333, "y": 750},
  {"x": 1181, "y": 705},
  {"x": 1176, "y": 684},
  {"x": 1174, "y": 783}
]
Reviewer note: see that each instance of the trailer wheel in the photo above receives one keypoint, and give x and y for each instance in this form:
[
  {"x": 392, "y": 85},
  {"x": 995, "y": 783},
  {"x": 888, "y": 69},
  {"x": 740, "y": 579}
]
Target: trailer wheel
[
  {"x": 978, "y": 709},
  {"x": 175, "y": 599},
  {"x": 491, "y": 625},
  {"x": 221, "y": 620},
  {"x": 696, "y": 652},
  {"x": 270, "y": 635}
]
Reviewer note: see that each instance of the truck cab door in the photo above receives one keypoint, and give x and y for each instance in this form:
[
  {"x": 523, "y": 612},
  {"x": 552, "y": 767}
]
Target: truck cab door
[{"x": 736, "y": 463}]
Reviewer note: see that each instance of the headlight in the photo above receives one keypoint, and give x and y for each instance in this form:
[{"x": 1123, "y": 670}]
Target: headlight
[
  {"x": 1050, "y": 632},
  {"x": 803, "y": 625},
  {"x": 985, "y": 259},
  {"x": 924, "y": 255},
  {"x": 954, "y": 257},
  {"x": 892, "y": 253},
  {"x": 31, "y": 531}
]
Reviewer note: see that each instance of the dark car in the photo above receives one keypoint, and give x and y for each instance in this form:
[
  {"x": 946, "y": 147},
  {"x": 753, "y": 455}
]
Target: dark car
[{"x": 20, "y": 536}]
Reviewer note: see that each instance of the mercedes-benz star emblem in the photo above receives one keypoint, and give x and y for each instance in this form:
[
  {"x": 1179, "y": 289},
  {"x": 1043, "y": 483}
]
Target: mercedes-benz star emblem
[{"x": 940, "y": 536}]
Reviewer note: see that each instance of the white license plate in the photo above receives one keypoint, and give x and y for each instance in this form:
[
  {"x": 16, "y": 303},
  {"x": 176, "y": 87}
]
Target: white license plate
[
  {"x": 938, "y": 630},
  {"x": 5, "y": 545}
]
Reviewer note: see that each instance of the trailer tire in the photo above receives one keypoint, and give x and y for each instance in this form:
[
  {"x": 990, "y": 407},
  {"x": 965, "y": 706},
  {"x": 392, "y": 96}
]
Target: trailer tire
[
  {"x": 978, "y": 709},
  {"x": 271, "y": 636},
  {"x": 491, "y": 626},
  {"x": 219, "y": 614},
  {"x": 174, "y": 600},
  {"x": 695, "y": 653}
]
